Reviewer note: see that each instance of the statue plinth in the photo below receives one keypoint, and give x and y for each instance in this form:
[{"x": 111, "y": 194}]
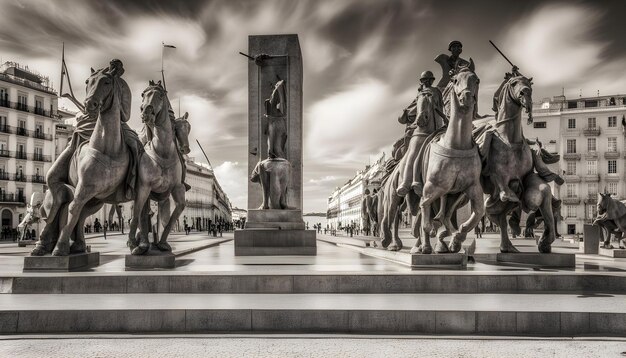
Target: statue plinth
[
  {"x": 274, "y": 225},
  {"x": 153, "y": 259},
  {"x": 62, "y": 263}
]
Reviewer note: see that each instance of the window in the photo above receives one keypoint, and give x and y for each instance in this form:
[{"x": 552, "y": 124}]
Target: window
[
  {"x": 612, "y": 188},
  {"x": 612, "y": 101},
  {"x": 571, "y": 146},
  {"x": 571, "y": 211},
  {"x": 611, "y": 144},
  {"x": 612, "y": 122},
  {"x": 592, "y": 189},
  {"x": 592, "y": 167},
  {"x": 571, "y": 168},
  {"x": 539, "y": 124},
  {"x": 572, "y": 104},
  {"x": 612, "y": 166},
  {"x": 592, "y": 211},
  {"x": 571, "y": 190},
  {"x": 591, "y": 122},
  {"x": 590, "y": 104},
  {"x": 571, "y": 123},
  {"x": 591, "y": 144}
]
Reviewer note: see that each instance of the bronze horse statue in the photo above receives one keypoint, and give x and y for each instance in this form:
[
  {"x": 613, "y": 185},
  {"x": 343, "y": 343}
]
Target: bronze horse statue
[
  {"x": 611, "y": 219},
  {"x": 508, "y": 176},
  {"x": 96, "y": 173},
  {"x": 451, "y": 169},
  {"x": 160, "y": 169}
]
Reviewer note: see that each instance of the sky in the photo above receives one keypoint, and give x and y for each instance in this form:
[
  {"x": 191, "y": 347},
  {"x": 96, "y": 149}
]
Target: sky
[{"x": 361, "y": 59}]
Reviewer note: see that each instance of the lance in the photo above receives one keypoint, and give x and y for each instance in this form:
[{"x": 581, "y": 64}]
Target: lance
[
  {"x": 248, "y": 56},
  {"x": 500, "y": 52}
]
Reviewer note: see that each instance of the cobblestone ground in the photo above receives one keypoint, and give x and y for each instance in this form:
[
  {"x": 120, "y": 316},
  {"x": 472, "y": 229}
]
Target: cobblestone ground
[{"x": 304, "y": 346}]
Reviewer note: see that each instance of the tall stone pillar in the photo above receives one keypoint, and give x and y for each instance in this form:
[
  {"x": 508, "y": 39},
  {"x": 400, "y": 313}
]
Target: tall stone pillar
[{"x": 274, "y": 224}]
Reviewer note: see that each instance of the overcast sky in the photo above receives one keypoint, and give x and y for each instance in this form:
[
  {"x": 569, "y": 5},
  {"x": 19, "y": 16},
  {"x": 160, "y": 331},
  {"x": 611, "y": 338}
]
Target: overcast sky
[{"x": 361, "y": 62}]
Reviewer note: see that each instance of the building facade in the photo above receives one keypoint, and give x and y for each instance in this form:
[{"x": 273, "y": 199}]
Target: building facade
[
  {"x": 206, "y": 200},
  {"x": 344, "y": 203},
  {"x": 28, "y": 116},
  {"x": 589, "y": 133}
]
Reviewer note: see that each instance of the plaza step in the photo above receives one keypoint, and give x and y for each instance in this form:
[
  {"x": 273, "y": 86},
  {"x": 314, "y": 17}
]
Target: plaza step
[
  {"x": 425, "y": 281},
  {"x": 465, "y": 314}
]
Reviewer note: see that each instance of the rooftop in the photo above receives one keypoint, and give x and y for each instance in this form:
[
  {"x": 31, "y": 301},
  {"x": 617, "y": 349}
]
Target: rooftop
[{"x": 15, "y": 73}]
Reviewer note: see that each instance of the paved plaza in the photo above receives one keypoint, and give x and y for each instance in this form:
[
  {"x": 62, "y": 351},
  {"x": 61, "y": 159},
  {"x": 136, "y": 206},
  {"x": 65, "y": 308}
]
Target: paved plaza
[{"x": 271, "y": 346}]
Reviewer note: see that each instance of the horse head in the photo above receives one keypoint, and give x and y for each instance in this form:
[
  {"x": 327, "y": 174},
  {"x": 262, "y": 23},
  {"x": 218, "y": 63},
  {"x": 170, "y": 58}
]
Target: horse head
[
  {"x": 275, "y": 105},
  {"x": 181, "y": 130},
  {"x": 99, "y": 90},
  {"x": 522, "y": 93},
  {"x": 465, "y": 84},
  {"x": 604, "y": 201},
  {"x": 153, "y": 101}
]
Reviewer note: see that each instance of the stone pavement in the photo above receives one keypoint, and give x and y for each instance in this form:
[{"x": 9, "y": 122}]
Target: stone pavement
[{"x": 271, "y": 346}]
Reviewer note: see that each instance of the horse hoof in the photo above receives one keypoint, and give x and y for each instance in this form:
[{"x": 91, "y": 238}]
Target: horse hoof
[
  {"x": 164, "y": 246},
  {"x": 140, "y": 250},
  {"x": 60, "y": 251},
  {"x": 427, "y": 250},
  {"x": 544, "y": 247},
  {"x": 39, "y": 251},
  {"x": 441, "y": 247},
  {"x": 455, "y": 247},
  {"x": 78, "y": 247},
  {"x": 508, "y": 249},
  {"x": 506, "y": 197},
  {"x": 385, "y": 242},
  {"x": 416, "y": 250}
]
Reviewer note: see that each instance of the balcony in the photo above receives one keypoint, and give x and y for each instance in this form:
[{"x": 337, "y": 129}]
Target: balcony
[
  {"x": 591, "y": 131},
  {"x": 590, "y": 178},
  {"x": 572, "y": 178},
  {"x": 591, "y": 198},
  {"x": 5, "y": 153},
  {"x": 19, "y": 155},
  {"x": 611, "y": 155},
  {"x": 38, "y": 157},
  {"x": 6, "y": 176},
  {"x": 19, "y": 177},
  {"x": 612, "y": 177},
  {"x": 571, "y": 200},
  {"x": 571, "y": 156},
  {"x": 21, "y": 131},
  {"x": 12, "y": 198},
  {"x": 25, "y": 108},
  {"x": 37, "y": 179}
]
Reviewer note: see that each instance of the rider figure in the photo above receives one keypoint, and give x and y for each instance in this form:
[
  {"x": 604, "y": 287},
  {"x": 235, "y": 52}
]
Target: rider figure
[
  {"x": 416, "y": 133},
  {"x": 451, "y": 62}
]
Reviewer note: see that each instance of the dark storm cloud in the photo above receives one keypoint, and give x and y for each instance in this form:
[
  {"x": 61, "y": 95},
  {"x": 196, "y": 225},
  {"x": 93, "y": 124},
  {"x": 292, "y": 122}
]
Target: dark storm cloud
[{"x": 361, "y": 58}]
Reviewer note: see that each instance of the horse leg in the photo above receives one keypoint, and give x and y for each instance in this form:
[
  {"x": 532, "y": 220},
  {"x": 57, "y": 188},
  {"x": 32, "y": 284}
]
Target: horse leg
[
  {"x": 81, "y": 196},
  {"x": 391, "y": 209},
  {"x": 438, "y": 219},
  {"x": 548, "y": 236},
  {"x": 415, "y": 231},
  {"x": 505, "y": 193},
  {"x": 441, "y": 246},
  {"x": 79, "y": 244},
  {"x": 397, "y": 244},
  {"x": 141, "y": 198},
  {"x": 475, "y": 194},
  {"x": 178, "y": 194},
  {"x": 431, "y": 193}
]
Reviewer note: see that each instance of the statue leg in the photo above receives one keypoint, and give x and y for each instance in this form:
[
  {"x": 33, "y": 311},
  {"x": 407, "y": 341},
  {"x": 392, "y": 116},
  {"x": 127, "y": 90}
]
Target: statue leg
[
  {"x": 82, "y": 195},
  {"x": 475, "y": 194},
  {"x": 432, "y": 192},
  {"x": 396, "y": 244},
  {"x": 441, "y": 246},
  {"x": 390, "y": 211},
  {"x": 415, "y": 231},
  {"x": 264, "y": 180},
  {"x": 409, "y": 162},
  {"x": 538, "y": 195},
  {"x": 178, "y": 194},
  {"x": 79, "y": 245},
  {"x": 141, "y": 199}
]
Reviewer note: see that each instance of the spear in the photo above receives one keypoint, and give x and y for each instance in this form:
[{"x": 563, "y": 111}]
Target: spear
[{"x": 500, "y": 52}]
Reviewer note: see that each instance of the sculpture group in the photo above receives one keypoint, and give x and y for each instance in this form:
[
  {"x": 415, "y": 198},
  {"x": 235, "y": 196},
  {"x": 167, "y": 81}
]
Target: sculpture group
[
  {"x": 107, "y": 162},
  {"x": 450, "y": 156}
]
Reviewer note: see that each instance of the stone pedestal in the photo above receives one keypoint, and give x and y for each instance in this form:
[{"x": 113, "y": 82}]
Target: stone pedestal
[
  {"x": 62, "y": 263},
  {"x": 272, "y": 242},
  {"x": 24, "y": 243},
  {"x": 614, "y": 253},
  {"x": 591, "y": 239},
  {"x": 538, "y": 259},
  {"x": 154, "y": 259},
  {"x": 275, "y": 219}
]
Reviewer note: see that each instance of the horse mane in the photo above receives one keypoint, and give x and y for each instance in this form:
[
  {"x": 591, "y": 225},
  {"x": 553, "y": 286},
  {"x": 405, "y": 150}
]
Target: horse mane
[
  {"x": 146, "y": 129},
  {"x": 615, "y": 206}
]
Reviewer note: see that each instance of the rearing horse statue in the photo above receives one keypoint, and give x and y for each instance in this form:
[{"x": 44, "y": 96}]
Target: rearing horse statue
[{"x": 160, "y": 168}]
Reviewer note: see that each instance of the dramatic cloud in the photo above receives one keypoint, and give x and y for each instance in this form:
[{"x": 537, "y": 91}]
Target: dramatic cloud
[{"x": 361, "y": 62}]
